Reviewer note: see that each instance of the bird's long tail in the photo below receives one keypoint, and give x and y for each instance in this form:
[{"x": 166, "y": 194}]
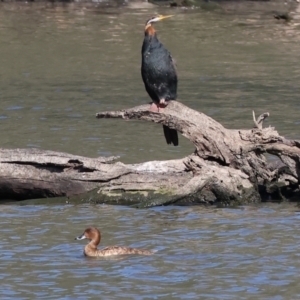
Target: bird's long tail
[{"x": 170, "y": 135}]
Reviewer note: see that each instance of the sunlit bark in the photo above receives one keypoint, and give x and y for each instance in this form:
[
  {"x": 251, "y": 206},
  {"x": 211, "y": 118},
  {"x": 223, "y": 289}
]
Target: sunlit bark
[{"x": 228, "y": 166}]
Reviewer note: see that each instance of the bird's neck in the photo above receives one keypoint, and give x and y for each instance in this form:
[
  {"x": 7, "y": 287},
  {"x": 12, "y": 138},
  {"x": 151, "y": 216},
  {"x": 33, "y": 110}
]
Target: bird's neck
[
  {"x": 90, "y": 250},
  {"x": 94, "y": 242},
  {"x": 149, "y": 30}
]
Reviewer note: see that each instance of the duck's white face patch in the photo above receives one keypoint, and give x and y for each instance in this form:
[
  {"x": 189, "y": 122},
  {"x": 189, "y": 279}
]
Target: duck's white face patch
[{"x": 81, "y": 237}]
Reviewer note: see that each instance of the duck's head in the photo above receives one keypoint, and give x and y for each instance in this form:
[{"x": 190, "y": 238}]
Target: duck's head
[{"x": 90, "y": 234}]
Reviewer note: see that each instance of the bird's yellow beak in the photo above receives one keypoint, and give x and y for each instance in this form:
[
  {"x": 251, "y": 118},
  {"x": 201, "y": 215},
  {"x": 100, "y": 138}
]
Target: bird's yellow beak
[
  {"x": 161, "y": 17},
  {"x": 156, "y": 19}
]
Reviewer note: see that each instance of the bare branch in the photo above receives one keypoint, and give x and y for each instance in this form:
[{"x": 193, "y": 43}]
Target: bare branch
[{"x": 259, "y": 122}]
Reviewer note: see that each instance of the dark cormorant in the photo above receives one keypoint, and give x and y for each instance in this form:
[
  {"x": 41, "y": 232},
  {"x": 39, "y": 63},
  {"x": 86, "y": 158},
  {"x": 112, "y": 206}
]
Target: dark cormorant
[{"x": 159, "y": 74}]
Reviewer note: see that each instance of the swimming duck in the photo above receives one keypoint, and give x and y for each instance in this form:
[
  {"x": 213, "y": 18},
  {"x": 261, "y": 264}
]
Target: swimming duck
[{"x": 94, "y": 235}]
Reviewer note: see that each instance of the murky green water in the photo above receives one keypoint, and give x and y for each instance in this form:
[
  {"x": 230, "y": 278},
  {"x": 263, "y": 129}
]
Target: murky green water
[{"x": 62, "y": 64}]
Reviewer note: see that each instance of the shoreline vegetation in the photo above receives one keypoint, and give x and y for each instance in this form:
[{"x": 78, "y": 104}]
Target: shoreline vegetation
[
  {"x": 206, "y": 4},
  {"x": 280, "y": 11}
]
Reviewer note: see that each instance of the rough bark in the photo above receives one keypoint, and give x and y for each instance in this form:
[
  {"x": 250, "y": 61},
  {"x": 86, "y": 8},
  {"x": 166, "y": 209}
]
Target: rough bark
[{"x": 228, "y": 167}]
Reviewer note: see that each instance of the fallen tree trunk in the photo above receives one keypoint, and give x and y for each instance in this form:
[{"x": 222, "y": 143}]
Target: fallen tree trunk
[{"x": 228, "y": 166}]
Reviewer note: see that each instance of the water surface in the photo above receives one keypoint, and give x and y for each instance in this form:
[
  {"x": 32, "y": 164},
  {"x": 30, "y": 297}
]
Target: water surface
[
  {"x": 247, "y": 253},
  {"x": 62, "y": 64}
]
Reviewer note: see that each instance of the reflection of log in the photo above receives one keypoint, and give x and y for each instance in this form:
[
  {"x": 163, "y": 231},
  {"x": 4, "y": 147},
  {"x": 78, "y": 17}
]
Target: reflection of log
[{"x": 228, "y": 166}]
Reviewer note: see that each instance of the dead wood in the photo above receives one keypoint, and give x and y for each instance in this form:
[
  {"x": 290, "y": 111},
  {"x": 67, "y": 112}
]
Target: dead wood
[
  {"x": 228, "y": 163},
  {"x": 228, "y": 166}
]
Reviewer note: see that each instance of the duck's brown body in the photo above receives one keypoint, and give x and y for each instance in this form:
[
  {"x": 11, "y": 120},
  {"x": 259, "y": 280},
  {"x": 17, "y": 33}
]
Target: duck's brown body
[
  {"x": 89, "y": 250},
  {"x": 94, "y": 235}
]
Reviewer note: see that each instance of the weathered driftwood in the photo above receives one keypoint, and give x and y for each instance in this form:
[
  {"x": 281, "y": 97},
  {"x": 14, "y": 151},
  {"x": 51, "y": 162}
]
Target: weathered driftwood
[{"x": 228, "y": 166}]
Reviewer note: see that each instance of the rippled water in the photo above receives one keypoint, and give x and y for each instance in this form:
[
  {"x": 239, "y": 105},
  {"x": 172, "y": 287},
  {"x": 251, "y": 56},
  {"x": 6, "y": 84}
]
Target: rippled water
[
  {"x": 60, "y": 64},
  {"x": 247, "y": 253}
]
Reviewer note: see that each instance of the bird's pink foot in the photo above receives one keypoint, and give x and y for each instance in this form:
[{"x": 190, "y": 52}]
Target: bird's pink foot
[
  {"x": 158, "y": 107},
  {"x": 154, "y": 107},
  {"x": 162, "y": 104}
]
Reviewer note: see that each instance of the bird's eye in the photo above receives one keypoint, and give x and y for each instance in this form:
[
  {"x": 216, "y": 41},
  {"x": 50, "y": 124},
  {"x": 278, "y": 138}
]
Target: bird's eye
[{"x": 151, "y": 20}]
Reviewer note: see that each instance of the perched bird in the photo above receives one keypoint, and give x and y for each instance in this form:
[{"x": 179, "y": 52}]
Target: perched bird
[
  {"x": 94, "y": 235},
  {"x": 159, "y": 74}
]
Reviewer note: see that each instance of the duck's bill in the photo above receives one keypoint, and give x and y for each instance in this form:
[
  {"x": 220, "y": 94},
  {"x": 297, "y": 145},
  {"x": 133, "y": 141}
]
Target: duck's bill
[{"x": 81, "y": 237}]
